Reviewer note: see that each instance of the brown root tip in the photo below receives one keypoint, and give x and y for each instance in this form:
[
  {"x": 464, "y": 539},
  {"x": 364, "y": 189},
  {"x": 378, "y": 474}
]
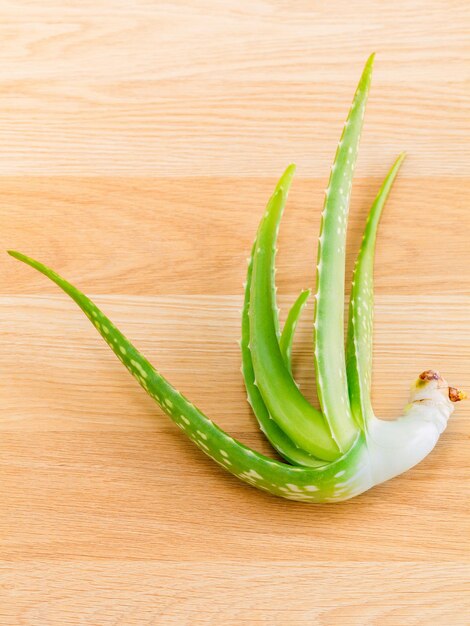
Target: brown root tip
[
  {"x": 455, "y": 395},
  {"x": 430, "y": 375}
]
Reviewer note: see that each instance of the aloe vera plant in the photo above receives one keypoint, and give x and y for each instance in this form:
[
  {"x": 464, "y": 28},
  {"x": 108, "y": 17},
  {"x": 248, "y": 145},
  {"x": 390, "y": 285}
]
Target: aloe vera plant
[{"x": 341, "y": 450}]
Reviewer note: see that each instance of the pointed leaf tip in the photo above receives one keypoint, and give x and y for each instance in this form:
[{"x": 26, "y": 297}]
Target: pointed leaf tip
[
  {"x": 289, "y": 172},
  {"x": 368, "y": 67},
  {"x": 285, "y": 181}
]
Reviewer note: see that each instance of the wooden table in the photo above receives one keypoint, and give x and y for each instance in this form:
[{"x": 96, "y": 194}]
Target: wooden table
[{"x": 139, "y": 144}]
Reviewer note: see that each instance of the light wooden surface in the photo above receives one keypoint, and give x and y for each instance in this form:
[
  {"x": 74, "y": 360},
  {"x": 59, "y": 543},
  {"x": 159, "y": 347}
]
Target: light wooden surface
[{"x": 139, "y": 142}]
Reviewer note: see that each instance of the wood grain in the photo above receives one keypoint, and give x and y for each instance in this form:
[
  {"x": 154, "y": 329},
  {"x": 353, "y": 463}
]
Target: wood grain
[
  {"x": 198, "y": 87},
  {"x": 139, "y": 142}
]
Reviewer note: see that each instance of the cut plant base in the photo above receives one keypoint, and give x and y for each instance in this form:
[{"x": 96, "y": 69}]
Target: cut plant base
[{"x": 343, "y": 450}]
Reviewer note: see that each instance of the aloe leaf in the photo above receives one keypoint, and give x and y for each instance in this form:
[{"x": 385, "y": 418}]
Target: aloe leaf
[
  {"x": 340, "y": 480},
  {"x": 288, "y": 332},
  {"x": 361, "y": 309},
  {"x": 292, "y": 412},
  {"x": 330, "y": 362},
  {"x": 278, "y": 439}
]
